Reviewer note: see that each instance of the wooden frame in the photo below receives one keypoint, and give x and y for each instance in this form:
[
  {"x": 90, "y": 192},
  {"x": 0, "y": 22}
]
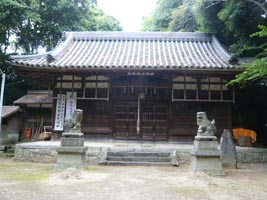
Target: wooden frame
[{"x": 200, "y": 85}]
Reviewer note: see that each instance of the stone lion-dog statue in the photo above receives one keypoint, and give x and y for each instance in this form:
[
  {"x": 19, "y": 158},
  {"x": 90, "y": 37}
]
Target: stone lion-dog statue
[
  {"x": 74, "y": 123},
  {"x": 205, "y": 126}
]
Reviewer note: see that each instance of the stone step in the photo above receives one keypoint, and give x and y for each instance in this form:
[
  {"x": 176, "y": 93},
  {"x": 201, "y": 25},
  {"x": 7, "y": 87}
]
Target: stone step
[
  {"x": 139, "y": 159},
  {"x": 123, "y": 163},
  {"x": 138, "y": 154},
  {"x": 10, "y": 151},
  {"x": 9, "y": 155}
]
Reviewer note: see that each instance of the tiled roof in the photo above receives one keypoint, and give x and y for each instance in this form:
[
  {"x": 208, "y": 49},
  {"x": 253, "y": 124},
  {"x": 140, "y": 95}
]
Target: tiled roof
[
  {"x": 156, "y": 50},
  {"x": 9, "y": 110},
  {"x": 35, "y": 97}
]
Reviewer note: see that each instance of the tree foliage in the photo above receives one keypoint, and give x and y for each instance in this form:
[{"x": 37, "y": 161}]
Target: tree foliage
[
  {"x": 256, "y": 71},
  {"x": 183, "y": 19},
  {"x": 30, "y": 24},
  {"x": 233, "y": 21},
  {"x": 27, "y": 25},
  {"x": 161, "y": 16}
]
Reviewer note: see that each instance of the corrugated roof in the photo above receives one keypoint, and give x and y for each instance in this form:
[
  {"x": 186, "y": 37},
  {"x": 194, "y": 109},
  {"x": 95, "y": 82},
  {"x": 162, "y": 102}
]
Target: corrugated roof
[
  {"x": 9, "y": 110},
  {"x": 156, "y": 50},
  {"x": 35, "y": 97}
]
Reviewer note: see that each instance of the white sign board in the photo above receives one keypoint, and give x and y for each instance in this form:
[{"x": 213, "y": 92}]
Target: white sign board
[
  {"x": 60, "y": 112},
  {"x": 71, "y": 104}
]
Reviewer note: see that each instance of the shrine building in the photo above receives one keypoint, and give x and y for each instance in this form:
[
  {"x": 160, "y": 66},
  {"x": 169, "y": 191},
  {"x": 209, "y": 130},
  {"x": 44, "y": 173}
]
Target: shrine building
[{"x": 135, "y": 86}]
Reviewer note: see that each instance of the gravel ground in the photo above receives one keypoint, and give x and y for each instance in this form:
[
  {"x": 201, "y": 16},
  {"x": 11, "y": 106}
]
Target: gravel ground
[{"x": 35, "y": 181}]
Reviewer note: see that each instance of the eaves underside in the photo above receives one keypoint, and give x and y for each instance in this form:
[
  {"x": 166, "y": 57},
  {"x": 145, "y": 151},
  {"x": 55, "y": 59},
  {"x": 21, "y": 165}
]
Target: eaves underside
[{"x": 64, "y": 69}]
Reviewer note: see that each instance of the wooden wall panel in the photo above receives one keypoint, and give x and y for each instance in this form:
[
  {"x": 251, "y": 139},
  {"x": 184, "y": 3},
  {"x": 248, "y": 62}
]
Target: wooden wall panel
[{"x": 183, "y": 117}]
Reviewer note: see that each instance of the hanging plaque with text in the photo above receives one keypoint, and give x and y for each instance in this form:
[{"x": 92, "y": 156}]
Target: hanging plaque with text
[
  {"x": 71, "y": 102},
  {"x": 60, "y": 112}
]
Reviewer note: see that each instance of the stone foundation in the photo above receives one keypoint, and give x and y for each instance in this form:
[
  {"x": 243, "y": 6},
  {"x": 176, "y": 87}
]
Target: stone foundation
[{"x": 46, "y": 152}]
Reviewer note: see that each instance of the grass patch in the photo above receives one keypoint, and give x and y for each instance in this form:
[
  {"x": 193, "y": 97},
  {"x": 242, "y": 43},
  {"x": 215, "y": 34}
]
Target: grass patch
[
  {"x": 25, "y": 172},
  {"x": 28, "y": 177},
  {"x": 90, "y": 169},
  {"x": 2, "y": 167},
  {"x": 188, "y": 191}
]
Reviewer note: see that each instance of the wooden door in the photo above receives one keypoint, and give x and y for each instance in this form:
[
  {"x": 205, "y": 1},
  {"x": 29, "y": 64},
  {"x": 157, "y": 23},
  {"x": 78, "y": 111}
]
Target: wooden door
[{"x": 153, "y": 121}]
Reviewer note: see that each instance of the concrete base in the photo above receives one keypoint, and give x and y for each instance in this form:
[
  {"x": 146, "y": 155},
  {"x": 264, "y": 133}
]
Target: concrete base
[
  {"x": 71, "y": 152},
  {"x": 208, "y": 162},
  {"x": 71, "y": 157},
  {"x": 206, "y": 156}
]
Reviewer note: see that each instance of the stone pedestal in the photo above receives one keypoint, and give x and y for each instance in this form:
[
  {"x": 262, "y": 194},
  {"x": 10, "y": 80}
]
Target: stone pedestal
[
  {"x": 71, "y": 152},
  {"x": 206, "y": 156}
]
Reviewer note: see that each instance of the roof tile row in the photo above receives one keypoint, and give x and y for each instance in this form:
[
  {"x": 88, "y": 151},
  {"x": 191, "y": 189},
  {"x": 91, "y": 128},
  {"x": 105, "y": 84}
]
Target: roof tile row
[{"x": 133, "y": 50}]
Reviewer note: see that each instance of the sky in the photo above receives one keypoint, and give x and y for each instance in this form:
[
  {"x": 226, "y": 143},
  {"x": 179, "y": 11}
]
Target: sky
[{"x": 128, "y": 12}]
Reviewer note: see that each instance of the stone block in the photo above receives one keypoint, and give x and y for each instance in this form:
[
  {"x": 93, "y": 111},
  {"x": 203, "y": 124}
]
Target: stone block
[
  {"x": 72, "y": 149},
  {"x": 72, "y": 142},
  {"x": 206, "y": 153},
  {"x": 228, "y": 149},
  {"x": 205, "y": 145},
  {"x": 174, "y": 158},
  {"x": 206, "y": 156},
  {"x": 2, "y": 148},
  {"x": 206, "y": 138},
  {"x": 72, "y": 134},
  {"x": 207, "y": 164},
  {"x": 71, "y": 157}
]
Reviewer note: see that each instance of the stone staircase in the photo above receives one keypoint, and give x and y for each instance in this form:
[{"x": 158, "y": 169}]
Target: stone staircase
[
  {"x": 7, "y": 151},
  {"x": 10, "y": 153},
  {"x": 136, "y": 157}
]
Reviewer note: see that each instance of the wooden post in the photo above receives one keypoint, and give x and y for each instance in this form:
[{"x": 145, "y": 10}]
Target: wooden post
[{"x": 2, "y": 97}]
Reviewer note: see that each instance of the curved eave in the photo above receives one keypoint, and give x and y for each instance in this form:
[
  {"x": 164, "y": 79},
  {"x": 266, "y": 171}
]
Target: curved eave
[
  {"x": 60, "y": 48},
  {"x": 64, "y": 69}
]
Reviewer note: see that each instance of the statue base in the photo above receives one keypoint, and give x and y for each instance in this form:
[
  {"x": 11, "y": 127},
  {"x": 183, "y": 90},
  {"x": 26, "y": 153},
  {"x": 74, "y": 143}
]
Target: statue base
[
  {"x": 71, "y": 152},
  {"x": 206, "y": 156}
]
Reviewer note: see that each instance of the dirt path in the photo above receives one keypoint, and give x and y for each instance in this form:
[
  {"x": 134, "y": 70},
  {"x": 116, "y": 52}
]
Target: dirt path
[{"x": 32, "y": 181}]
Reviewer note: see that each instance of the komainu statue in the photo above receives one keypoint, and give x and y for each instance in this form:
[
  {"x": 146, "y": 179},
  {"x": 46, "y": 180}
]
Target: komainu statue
[
  {"x": 205, "y": 126},
  {"x": 74, "y": 123}
]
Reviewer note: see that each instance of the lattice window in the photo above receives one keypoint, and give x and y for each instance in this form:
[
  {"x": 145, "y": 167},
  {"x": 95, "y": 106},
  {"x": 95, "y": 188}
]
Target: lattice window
[
  {"x": 132, "y": 115},
  {"x": 201, "y": 89},
  {"x": 160, "y": 113},
  {"x": 121, "y": 112},
  {"x": 100, "y": 105},
  {"x": 147, "y": 113},
  {"x": 97, "y": 87}
]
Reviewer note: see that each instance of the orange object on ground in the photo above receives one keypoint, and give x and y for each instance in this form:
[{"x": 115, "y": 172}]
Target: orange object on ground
[
  {"x": 28, "y": 133},
  {"x": 238, "y": 132}
]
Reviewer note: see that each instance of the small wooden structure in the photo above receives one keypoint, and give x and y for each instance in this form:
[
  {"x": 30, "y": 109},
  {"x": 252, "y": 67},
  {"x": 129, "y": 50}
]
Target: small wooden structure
[
  {"x": 11, "y": 122},
  {"x": 37, "y": 113},
  {"x": 145, "y": 86}
]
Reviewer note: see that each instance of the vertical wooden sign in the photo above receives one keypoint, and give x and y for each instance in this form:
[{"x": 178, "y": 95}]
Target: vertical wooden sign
[
  {"x": 71, "y": 104},
  {"x": 60, "y": 112}
]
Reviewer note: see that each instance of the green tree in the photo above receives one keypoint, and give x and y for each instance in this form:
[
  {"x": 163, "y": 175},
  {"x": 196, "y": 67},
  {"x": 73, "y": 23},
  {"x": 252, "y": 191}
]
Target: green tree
[
  {"x": 12, "y": 12},
  {"x": 161, "y": 16},
  {"x": 36, "y": 23},
  {"x": 97, "y": 20},
  {"x": 28, "y": 24},
  {"x": 256, "y": 71},
  {"x": 183, "y": 18},
  {"x": 233, "y": 21}
]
